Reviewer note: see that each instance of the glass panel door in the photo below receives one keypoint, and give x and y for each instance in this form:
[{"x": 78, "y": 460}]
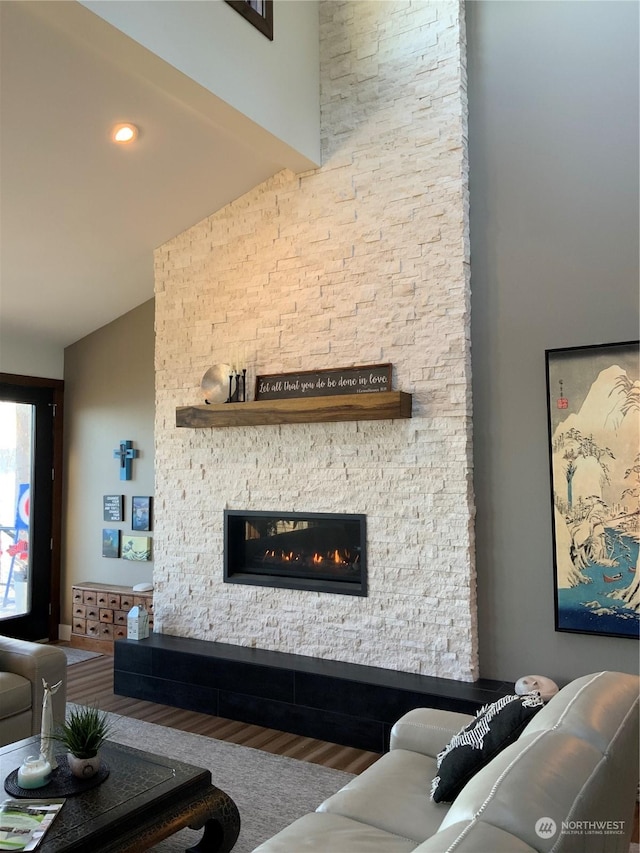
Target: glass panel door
[
  {"x": 16, "y": 474},
  {"x": 30, "y": 447}
]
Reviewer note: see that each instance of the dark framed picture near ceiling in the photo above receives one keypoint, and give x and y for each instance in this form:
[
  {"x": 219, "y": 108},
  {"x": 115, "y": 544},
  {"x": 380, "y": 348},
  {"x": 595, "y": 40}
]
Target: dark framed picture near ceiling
[
  {"x": 593, "y": 397},
  {"x": 259, "y": 13}
]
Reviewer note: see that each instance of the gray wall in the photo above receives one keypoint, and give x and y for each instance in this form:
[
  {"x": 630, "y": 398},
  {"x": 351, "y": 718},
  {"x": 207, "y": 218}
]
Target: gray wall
[
  {"x": 553, "y": 91},
  {"x": 109, "y": 397}
]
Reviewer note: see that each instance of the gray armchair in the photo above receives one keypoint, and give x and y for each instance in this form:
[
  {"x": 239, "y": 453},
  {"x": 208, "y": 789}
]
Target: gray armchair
[{"x": 23, "y": 666}]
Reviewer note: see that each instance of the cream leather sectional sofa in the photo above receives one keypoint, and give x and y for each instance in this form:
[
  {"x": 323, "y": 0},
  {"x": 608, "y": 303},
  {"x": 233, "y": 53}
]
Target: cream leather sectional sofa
[
  {"x": 568, "y": 783},
  {"x": 23, "y": 665}
]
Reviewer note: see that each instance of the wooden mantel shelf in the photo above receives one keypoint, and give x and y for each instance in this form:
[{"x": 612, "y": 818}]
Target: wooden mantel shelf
[{"x": 383, "y": 405}]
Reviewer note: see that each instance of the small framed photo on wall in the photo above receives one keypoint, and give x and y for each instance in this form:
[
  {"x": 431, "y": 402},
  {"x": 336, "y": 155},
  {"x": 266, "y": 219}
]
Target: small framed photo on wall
[
  {"x": 110, "y": 542},
  {"x": 141, "y": 513},
  {"x": 136, "y": 548},
  {"x": 113, "y": 508}
]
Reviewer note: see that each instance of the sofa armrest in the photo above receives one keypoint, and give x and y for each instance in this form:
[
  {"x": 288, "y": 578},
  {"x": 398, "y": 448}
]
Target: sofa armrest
[
  {"x": 427, "y": 730},
  {"x": 35, "y": 662}
]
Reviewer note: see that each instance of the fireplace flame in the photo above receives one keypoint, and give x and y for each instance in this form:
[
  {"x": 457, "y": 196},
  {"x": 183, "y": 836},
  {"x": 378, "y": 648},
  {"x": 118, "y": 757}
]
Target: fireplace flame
[
  {"x": 336, "y": 556},
  {"x": 333, "y": 556}
]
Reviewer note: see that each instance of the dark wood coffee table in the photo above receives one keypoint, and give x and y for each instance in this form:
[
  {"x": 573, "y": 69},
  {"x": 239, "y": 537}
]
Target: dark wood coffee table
[{"x": 145, "y": 799}]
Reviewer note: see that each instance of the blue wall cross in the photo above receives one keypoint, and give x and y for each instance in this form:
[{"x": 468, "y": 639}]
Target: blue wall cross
[{"x": 125, "y": 453}]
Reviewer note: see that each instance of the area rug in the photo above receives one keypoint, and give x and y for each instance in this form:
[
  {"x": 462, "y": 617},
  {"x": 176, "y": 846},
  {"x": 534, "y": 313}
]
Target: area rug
[
  {"x": 78, "y": 655},
  {"x": 270, "y": 791}
]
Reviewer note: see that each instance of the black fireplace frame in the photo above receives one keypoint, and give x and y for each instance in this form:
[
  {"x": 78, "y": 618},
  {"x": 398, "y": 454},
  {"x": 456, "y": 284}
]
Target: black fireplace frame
[{"x": 342, "y": 586}]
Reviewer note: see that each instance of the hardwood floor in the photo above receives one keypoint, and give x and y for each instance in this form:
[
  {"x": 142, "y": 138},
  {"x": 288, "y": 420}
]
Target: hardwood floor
[{"x": 91, "y": 683}]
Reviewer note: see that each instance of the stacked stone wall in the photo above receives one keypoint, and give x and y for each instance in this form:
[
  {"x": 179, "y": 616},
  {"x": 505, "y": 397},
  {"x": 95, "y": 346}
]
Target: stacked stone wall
[{"x": 362, "y": 261}]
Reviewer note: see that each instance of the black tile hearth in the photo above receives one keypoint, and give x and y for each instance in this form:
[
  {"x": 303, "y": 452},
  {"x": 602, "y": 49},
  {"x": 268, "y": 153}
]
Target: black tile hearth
[{"x": 344, "y": 703}]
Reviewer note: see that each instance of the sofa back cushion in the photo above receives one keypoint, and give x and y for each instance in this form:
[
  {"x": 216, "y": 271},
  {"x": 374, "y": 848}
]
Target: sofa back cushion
[
  {"x": 573, "y": 771},
  {"x": 592, "y": 708}
]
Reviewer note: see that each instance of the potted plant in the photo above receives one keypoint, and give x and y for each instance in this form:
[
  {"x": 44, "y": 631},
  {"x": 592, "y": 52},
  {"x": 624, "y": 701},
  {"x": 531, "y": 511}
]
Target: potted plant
[{"x": 83, "y": 732}]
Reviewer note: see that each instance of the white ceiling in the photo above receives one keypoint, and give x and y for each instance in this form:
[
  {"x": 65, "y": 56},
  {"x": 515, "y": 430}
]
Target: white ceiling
[{"x": 79, "y": 216}]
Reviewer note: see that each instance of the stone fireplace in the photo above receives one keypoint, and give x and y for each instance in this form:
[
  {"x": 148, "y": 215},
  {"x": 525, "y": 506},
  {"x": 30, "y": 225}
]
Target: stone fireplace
[
  {"x": 362, "y": 261},
  {"x": 322, "y": 552}
]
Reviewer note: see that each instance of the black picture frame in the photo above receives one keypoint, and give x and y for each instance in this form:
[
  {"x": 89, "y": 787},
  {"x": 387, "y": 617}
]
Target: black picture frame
[
  {"x": 110, "y": 542},
  {"x": 113, "y": 507},
  {"x": 141, "y": 512},
  {"x": 257, "y": 12},
  {"x": 593, "y": 404}
]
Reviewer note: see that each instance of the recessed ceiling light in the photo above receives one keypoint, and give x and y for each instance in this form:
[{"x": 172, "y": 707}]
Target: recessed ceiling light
[{"x": 124, "y": 133}]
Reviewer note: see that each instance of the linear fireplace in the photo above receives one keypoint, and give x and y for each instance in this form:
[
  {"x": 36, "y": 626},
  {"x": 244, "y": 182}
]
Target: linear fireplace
[{"x": 323, "y": 552}]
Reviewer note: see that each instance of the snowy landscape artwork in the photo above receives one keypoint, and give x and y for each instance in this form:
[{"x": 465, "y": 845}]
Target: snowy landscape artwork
[{"x": 594, "y": 443}]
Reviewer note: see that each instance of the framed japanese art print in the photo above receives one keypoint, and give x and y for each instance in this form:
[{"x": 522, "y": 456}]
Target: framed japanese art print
[
  {"x": 136, "y": 548},
  {"x": 110, "y": 542},
  {"x": 141, "y": 512},
  {"x": 593, "y": 396}
]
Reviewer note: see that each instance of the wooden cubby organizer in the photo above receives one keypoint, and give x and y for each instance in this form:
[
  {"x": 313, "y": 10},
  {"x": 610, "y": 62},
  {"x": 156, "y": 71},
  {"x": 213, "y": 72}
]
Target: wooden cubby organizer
[
  {"x": 100, "y": 613},
  {"x": 385, "y": 405}
]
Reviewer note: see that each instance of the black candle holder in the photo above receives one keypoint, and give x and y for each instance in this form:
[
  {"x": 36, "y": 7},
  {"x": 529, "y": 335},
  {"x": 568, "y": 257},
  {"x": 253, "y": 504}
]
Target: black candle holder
[{"x": 237, "y": 387}]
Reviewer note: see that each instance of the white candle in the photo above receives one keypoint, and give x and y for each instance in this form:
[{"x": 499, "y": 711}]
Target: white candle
[{"x": 34, "y": 772}]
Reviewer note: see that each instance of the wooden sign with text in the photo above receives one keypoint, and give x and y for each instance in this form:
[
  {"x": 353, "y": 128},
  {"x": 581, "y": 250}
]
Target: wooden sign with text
[{"x": 366, "y": 379}]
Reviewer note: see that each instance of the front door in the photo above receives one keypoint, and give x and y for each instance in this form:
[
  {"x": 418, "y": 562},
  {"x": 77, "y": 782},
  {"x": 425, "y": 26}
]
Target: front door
[{"x": 30, "y": 482}]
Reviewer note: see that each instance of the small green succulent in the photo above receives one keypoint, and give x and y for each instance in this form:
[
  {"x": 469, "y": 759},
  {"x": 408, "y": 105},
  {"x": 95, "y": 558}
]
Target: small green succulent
[{"x": 84, "y": 731}]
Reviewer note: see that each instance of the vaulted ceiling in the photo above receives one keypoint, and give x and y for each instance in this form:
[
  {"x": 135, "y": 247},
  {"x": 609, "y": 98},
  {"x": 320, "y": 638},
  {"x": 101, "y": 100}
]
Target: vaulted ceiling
[{"x": 79, "y": 216}]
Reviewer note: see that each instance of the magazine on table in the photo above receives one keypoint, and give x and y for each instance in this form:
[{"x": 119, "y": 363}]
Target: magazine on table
[{"x": 23, "y": 823}]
